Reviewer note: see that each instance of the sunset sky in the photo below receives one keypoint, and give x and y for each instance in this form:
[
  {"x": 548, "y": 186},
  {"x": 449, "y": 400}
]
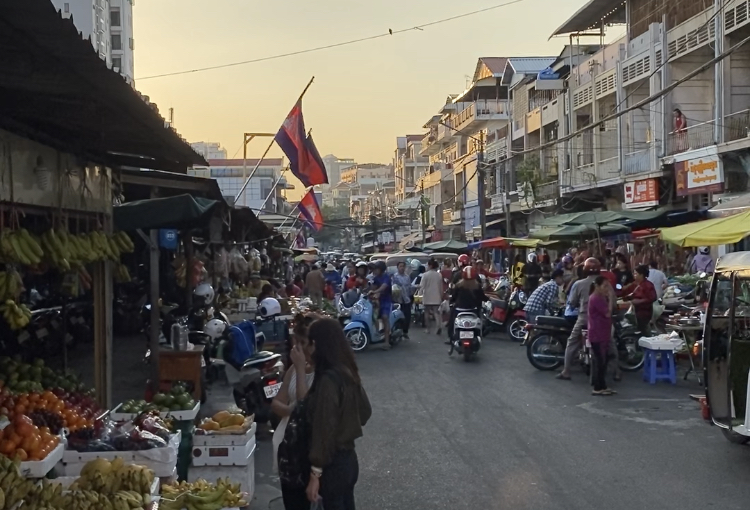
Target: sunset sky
[{"x": 364, "y": 95}]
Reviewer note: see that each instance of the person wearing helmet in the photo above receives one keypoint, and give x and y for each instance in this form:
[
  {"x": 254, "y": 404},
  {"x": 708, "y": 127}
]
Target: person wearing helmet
[
  {"x": 381, "y": 285},
  {"x": 467, "y": 295},
  {"x": 702, "y": 262},
  {"x": 569, "y": 271},
  {"x": 532, "y": 273},
  {"x": 578, "y": 300},
  {"x": 359, "y": 278},
  {"x": 462, "y": 262}
]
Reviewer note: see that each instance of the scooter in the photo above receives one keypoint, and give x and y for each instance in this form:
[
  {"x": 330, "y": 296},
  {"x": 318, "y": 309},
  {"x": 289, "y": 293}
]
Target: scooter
[
  {"x": 344, "y": 305},
  {"x": 467, "y": 334},
  {"x": 258, "y": 379},
  {"x": 361, "y": 330},
  {"x": 506, "y": 315}
]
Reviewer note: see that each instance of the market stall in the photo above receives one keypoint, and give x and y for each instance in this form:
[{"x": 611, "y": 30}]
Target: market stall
[{"x": 713, "y": 232}]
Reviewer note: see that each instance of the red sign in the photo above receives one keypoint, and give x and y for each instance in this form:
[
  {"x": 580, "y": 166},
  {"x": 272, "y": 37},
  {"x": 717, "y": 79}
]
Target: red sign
[{"x": 643, "y": 193}]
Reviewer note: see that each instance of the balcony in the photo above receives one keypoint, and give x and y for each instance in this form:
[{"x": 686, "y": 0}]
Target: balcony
[
  {"x": 445, "y": 131},
  {"x": 430, "y": 147},
  {"x": 479, "y": 113},
  {"x": 736, "y": 126},
  {"x": 637, "y": 161}
]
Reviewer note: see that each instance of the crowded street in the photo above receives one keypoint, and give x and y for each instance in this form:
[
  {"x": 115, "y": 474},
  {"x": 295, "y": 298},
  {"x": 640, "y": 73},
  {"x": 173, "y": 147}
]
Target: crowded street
[{"x": 497, "y": 434}]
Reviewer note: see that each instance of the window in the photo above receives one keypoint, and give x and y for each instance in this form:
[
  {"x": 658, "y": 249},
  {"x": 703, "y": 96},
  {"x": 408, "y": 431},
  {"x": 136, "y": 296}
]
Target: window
[
  {"x": 116, "y": 42},
  {"x": 117, "y": 63},
  {"x": 114, "y": 18},
  {"x": 132, "y": 43},
  {"x": 66, "y": 8}
]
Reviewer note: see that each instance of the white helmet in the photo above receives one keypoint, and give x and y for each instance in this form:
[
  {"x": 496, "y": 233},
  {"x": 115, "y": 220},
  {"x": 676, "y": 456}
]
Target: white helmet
[
  {"x": 415, "y": 264},
  {"x": 205, "y": 292},
  {"x": 361, "y": 263},
  {"x": 269, "y": 307},
  {"x": 531, "y": 258},
  {"x": 215, "y": 328},
  {"x": 704, "y": 250}
]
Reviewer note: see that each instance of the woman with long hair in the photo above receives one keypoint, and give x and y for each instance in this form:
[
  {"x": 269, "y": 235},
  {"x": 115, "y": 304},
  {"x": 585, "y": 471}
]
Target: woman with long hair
[{"x": 338, "y": 408}]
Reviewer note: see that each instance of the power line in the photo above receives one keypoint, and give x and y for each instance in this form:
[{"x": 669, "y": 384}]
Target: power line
[{"x": 334, "y": 45}]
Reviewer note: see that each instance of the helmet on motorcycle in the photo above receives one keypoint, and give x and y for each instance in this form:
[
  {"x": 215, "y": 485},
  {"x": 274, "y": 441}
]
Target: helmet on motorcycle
[
  {"x": 468, "y": 273},
  {"x": 463, "y": 260},
  {"x": 215, "y": 328},
  {"x": 592, "y": 266},
  {"x": 269, "y": 307},
  {"x": 204, "y": 292},
  {"x": 415, "y": 264},
  {"x": 531, "y": 257},
  {"x": 704, "y": 250}
]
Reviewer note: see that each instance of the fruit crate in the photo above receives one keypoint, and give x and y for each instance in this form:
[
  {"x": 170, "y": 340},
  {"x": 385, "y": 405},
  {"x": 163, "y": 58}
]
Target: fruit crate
[
  {"x": 244, "y": 475},
  {"x": 215, "y": 439},
  {"x": 223, "y": 455},
  {"x": 161, "y": 460},
  {"x": 187, "y": 415},
  {"x": 40, "y": 468}
]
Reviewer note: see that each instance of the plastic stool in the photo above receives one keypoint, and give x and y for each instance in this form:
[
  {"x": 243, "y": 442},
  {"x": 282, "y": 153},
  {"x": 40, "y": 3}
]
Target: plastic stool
[{"x": 665, "y": 371}]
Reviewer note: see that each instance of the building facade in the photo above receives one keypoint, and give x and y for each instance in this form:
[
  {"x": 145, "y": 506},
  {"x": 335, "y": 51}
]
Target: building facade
[
  {"x": 209, "y": 150},
  {"x": 108, "y": 24},
  {"x": 334, "y": 166},
  {"x": 409, "y": 165}
]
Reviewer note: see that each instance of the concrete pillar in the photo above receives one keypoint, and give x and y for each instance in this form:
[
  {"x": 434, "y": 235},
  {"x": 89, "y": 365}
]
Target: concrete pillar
[
  {"x": 719, "y": 71},
  {"x": 655, "y": 86}
]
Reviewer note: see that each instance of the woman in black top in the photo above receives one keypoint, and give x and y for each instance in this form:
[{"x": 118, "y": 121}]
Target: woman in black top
[
  {"x": 622, "y": 272},
  {"x": 338, "y": 408}
]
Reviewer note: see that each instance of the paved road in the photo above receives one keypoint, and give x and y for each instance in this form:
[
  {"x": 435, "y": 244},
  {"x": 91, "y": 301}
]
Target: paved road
[{"x": 498, "y": 434}]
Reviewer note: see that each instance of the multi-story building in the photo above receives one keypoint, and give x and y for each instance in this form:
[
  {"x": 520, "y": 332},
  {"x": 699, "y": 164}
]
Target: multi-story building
[
  {"x": 108, "y": 24},
  {"x": 357, "y": 172},
  {"x": 209, "y": 150},
  {"x": 334, "y": 167},
  {"x": 231, "y": 174},
  {"x": 409, "y": 165}
]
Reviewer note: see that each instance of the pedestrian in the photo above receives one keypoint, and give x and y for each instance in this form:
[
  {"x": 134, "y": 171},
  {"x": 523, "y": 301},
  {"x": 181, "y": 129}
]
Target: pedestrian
[
  {"x": 546, "y": 268},
  {"x": 403, "y": 280},
  {"x": 599, "y": 333},
  {"x": 293, "y": 390},
  {"x": 579, "y": 300},
  {"x": 642, "y": 295},
  {"x": 545, "y": 299},
  {"x": 338, "y": 410},
  {"x": 622, "y": 272},
  {"x": 658, "y": 278},
  {"x": 432, "y": 295},
  {"x": 381, "y": 284},
  {"x": 315, "y": 283},
  {"x": 702, "y": 262}
]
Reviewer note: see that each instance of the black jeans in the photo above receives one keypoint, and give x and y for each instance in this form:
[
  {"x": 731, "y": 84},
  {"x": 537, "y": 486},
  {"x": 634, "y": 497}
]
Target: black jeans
[
  {"x": 336, "y": 485},
  {"x": 599, "y": 359},
  {"x": 406, "y": 308}
]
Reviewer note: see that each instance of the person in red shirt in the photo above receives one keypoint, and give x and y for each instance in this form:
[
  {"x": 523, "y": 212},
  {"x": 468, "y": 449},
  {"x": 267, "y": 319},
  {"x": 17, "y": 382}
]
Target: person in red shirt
[
  {"x": 359, "y": 279},
  {"x": 642, "y": 294},
  {"x": 480, "y": 270}
]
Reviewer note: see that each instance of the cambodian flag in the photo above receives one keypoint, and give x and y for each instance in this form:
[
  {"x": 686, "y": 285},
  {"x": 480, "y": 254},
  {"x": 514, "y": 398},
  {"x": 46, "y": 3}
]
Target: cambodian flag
[
  {"x": 304, "y": 159},
  {"x": 308, "y": 208}
]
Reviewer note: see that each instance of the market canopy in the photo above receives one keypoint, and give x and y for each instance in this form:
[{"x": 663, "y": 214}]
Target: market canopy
[
  {"x": 714, "y": 232},
  {"x": 55, "y": 89},
  {"x": 578, "y": 231},
  {"x": 501, "y": 243},
  {"x": 450, "y": 245},
  {"x": 180, "y": 212},
  {"x": 600, "y": 217}
]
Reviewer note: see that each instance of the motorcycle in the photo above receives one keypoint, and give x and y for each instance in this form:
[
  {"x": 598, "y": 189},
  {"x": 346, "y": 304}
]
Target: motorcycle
[
  {"x": 501, "y": 315},
  {"x": 467, "y": 334},
  {"x": 546, "y": 341},
  {"x": 361, "y": 330},
  {"x": 258, "y": 379},
  {"x": 345, "y": 304}
]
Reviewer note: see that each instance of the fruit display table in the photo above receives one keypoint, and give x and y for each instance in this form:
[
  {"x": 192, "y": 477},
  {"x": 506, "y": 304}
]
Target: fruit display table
[{"x": 182, "y": 366}]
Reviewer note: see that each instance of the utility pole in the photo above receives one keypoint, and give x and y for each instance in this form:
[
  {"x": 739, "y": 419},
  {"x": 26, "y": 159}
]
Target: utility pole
[{"x": 480, "y": 187}]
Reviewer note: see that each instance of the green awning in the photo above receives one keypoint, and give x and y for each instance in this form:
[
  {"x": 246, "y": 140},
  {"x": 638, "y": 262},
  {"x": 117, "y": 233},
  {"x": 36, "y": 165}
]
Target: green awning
[
  {"x": 578, "y": 231},
  {"x": 600, "y": 217},
  {"x": 179, "y": 212},
  {"x": 450, "y": 245}
]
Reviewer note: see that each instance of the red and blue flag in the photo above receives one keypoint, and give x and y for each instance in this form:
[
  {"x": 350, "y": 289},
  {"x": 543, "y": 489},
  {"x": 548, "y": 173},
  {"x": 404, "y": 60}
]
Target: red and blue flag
[
  {"x": 310, "y": 211},
  {"x": 304, "y": 159}
]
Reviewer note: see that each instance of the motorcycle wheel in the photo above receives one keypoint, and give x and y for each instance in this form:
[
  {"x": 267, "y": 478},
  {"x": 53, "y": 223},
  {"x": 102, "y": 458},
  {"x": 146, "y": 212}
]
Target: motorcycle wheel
[
  {"x": 397, "y": 334},
  {"x": 543, "y": 343},
  {"x": 467, "y": 355},
  {"x": 633, "y": 355},
  {"x": 357, "y": 339},
  {"x": 517, "y": 329}
]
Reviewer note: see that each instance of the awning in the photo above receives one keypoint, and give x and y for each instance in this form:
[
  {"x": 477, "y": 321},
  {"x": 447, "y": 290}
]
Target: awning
[
  {"x": 714, "y": 232},
  {"x": 600, "y": 217},
  {"x": 180, "y": 212},
  {"x": 578, "y": 231},
  {"x": 502, "y": 243},
  {"x": 55, "y": 89},
  {"x": 409, "y": 203},
  {"x": 592, "y": 15},
  {"x": 449, "y": 245},
  {"x": 729, "y": 207}
]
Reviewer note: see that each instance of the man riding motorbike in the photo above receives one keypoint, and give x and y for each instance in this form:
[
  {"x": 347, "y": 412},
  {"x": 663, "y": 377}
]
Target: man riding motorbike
[{"x": 466, "y": 295}]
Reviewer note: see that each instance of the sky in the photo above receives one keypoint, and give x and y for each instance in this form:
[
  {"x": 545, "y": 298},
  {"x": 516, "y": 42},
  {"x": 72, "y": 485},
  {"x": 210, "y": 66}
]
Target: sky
[{"x": 364, "y": 94}]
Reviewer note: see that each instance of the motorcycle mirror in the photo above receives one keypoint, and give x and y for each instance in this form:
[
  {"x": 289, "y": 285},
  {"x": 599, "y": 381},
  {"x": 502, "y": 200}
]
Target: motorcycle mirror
[
  {"x": 618, "y": 287},
  {"x": 703, "y": 275}
]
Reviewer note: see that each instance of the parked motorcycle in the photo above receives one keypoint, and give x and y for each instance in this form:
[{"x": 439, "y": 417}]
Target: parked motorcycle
[
  {"x": 547, "y": 339},
  {"x": 505, "y": 315},
  {"x": 362, "y": 330},
  {"x": 467, "y": 334}
]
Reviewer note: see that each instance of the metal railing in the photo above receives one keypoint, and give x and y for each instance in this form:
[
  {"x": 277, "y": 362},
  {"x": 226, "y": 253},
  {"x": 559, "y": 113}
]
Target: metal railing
[
  {"x": 737, "y": 126},
  {"x": 637, "y": 161},
  {"x": 692, "y": 137}
]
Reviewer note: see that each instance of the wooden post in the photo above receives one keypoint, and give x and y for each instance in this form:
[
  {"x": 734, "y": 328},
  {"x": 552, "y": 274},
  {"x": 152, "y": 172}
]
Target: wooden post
[{"x": 155, "y": 308}]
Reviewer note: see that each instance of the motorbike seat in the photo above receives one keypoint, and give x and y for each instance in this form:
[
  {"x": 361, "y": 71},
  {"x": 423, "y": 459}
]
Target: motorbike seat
[
  {"x": 261, "y": 357},
  {"x": 553, "y": 321}
]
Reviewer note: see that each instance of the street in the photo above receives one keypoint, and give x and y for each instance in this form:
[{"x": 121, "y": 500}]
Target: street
[{"x": 498, "y": 434}]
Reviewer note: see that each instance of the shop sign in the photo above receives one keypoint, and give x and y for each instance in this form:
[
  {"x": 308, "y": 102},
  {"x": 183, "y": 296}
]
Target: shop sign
[
  {"x": 643, "y": 193},
  {"x": 702, "y": 175},
  {"x": 168, "y": 238}
]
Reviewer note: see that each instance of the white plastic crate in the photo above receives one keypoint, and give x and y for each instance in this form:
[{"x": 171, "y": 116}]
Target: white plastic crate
[
  {"x": 225, "y": 439},
  {"x": 244, "y": 475},
  {"x": 224, "y": 455},
  {"x": 188, "y": 415},
  {"x": 40, "y": 468}
]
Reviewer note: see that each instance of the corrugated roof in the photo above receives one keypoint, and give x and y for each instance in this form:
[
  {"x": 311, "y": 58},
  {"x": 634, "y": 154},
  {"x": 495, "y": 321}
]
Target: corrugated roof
[
  {"x": 592, "y": 14},
  {"x": 496, "y": 65},
  {"x": 249, "y": 162},
  {"x": 530, "y": 65}
]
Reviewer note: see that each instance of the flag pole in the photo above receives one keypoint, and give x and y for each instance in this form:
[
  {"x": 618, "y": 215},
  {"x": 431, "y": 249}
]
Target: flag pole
[
  {"x": 255, "y": 168},
  {"x": 289, "y": 216},
  {"x": 273, "y": 188}
]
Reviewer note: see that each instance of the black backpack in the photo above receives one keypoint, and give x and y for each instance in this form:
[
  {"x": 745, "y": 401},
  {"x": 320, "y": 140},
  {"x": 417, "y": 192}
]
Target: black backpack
[{"x": 294, "y": 450}]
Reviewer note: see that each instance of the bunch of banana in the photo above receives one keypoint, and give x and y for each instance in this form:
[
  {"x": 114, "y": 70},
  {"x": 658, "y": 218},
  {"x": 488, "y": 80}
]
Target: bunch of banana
[
  {"x": 44, "y": 495},
  {"x": 17, "y": 316},
  {"x": 11, "y": 285},
  {"x": 20, "y": 247},
  {"x": 124, "y": 242},
  {"x": 107, "y": 477},
  {"x": 56, "y": 250},
  {"x": 201, "y": 495},
  {"x": 121, "y": 274}
]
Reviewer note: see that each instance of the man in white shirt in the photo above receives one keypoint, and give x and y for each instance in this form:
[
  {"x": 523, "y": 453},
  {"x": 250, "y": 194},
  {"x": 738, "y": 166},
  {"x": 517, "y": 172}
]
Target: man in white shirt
[{"x": 658, "y": 278}]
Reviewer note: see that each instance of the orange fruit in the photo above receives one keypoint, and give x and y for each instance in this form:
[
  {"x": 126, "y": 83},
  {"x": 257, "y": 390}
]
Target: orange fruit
[
  {"x": 21, "y": 454},
  {"x": 15, "y": 439},
  {"x": 19, "y": 409},
  {"x": 34, "y": 397},
  {"x": 7, "y": 447}
]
